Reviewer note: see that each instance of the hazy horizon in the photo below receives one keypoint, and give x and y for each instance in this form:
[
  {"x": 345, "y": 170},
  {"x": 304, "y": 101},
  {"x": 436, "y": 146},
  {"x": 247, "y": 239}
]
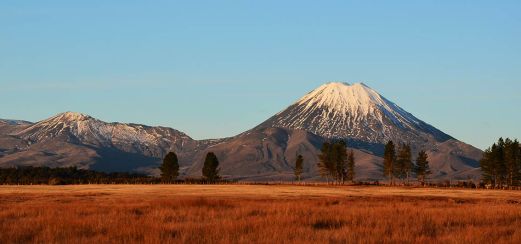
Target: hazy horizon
[{"x": 216, "y": 69}]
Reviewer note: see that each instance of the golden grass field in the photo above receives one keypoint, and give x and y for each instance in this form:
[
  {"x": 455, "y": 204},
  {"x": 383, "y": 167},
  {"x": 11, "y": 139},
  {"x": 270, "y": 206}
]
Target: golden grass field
[{"x": 256, "y": 214}]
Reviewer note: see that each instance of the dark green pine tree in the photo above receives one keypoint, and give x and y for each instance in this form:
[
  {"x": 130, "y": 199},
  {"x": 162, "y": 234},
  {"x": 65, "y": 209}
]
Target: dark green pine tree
[
  {"x": 169, "y": 168},
  {"x": 324, "y": 161},
  {"x": 340, "y": 160},
  {"x": 404, "y": 164},
  {"x": 211, "y": 167},
  {"x": 517, "y": 180},
  {"x": 389, "y": 161},
  {"x": 299, "y": 167},
  {"x": 517, "y": 162},
  {"x": 350, "y": 171},
  {"x": 333, "y": 157},
  {"x": 488, "y": 165},
  {"x": 499, "y": 161},
  {"x": 422, "y": 168},
  {"x": 512, "y": 159}
]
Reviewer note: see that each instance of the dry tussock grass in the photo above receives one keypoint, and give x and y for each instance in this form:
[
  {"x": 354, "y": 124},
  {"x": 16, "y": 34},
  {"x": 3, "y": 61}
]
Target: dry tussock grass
[{"x": 100, "y": 217}]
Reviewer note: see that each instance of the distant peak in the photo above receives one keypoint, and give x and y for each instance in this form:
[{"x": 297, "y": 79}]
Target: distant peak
[
  {"x": 14, "y": 122},
  {"x": 72, "y": 113},
  {"x": 342, "y": 84},
  {"x": 337, "y": 83},
  {"x": 72, "y": 116},
  {"x": 360, "y": 84}
]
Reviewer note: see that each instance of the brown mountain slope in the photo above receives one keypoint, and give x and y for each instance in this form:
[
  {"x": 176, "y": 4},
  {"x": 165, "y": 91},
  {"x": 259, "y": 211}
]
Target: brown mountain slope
[{"x": 270, "y": 153}]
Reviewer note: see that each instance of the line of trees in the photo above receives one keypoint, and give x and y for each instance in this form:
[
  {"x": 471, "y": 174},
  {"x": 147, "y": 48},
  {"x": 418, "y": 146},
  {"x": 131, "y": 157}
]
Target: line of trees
[
  {"x": 70, "y": 175},
  {"x": 398, "y": 164},
  {"x": 336, "y": 163},
  {"x": 501, "y": 164}
]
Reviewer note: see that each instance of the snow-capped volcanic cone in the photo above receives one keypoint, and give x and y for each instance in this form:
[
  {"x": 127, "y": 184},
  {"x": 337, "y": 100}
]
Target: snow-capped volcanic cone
[
  {"x": 355, "y": 112},
  {"x": 367, "y": 120}
]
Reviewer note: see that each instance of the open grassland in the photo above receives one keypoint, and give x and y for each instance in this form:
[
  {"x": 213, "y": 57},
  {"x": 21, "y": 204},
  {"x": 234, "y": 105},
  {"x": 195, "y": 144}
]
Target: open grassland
[{"x": 254, "y": 213}]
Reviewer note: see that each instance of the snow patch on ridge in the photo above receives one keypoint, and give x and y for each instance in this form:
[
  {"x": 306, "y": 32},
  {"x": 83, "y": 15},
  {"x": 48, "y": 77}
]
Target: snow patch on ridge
[{"x": 84, "y": 129}]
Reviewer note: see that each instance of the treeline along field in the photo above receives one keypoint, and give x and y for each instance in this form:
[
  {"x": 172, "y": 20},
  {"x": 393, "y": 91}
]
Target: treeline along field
[
  {"x": 74, "y": 176},
  {"x": 70, "y": 175}
]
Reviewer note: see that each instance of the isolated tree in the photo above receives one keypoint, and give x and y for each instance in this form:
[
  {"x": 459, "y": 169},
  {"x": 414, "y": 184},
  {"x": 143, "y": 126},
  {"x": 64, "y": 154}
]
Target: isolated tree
[
  {"x": 299, "y": 167},
  {"x": 211, "y": 167},
  {"x": 170, "y": 167},
  {"x": 350, "y": 171},
  {"x": 389, "y": 161},
  {"x": 404, "y": 162},
  {"x": 422, "y": 169}
]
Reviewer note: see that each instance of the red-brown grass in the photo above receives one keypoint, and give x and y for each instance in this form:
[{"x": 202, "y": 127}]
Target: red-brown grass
[{"x": 124, "y": 217}]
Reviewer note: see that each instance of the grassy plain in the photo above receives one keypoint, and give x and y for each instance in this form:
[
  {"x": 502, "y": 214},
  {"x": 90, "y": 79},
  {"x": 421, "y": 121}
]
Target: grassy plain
[{"x": 256, "y": 213}]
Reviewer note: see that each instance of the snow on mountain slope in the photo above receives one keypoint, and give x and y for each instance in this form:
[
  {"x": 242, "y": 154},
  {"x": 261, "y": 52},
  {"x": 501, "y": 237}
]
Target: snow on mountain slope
[
  {"x": 82, "y": 129},
  {"x": 357, "y": 101},
  {"x": 357, "y": 112},
  {"x": 75, "y": 139}
]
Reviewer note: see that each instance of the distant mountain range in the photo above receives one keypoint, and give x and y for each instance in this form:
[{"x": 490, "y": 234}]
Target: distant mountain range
[{"x": 355, "y": 113}]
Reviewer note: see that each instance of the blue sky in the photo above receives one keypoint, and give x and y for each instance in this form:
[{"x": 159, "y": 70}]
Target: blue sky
[{"x": 217, "y": 68}]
